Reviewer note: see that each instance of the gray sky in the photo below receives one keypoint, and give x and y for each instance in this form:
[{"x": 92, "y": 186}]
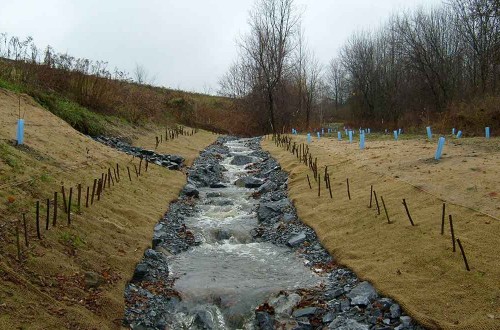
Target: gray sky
[{"x": 186, "y": 44}]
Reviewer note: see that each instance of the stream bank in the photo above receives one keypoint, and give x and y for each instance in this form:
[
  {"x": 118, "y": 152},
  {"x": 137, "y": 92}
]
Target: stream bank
[{"x": 231, "y": 253}]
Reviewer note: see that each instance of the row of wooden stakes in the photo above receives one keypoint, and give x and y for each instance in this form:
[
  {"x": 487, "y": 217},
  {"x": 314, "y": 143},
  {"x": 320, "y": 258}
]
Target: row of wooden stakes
[
  {"x": 174, "y": 133},
  {"x": 107, "y": 179},
  {"x": 303, "y": 154}
]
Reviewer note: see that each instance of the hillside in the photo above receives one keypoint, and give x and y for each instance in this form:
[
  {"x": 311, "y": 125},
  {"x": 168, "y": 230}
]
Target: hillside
[
  {"x": 49, "y": 287},
  {"x": 415, "y": 265}
]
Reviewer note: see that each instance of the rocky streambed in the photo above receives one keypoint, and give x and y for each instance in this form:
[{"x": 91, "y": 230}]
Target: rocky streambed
[
  {"x": 231, "y": 253},
  {"x": 172, "y": 162}
]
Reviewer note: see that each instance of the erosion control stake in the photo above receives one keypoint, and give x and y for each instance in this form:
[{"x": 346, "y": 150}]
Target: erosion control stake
[
  {"x": 385, "y": 209},
  {"x": 54, "y": 219},
  {"x": 319, "y": 185},
  {"x": 25, "y": 231},
  {"x": 408, "y": 212},
  {"x": 463, "y": 254},
  {"x": 348, "y": 190},
  {"x": 309, "y": 181},
  {"x": 452, "y": 233},
  {"x": 48, "y": 215},
  {"x": 371, "y": 196},
  {"x": 376, "y": 201},
  {"x": 442, "y": 219}
]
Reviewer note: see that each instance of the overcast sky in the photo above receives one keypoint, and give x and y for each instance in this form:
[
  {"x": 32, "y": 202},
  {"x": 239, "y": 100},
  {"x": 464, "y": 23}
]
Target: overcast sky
[{"x": 186, "y": 44}]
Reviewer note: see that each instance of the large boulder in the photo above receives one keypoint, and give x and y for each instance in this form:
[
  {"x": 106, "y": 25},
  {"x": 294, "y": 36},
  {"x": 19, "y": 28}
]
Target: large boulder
[
  {"x": 249, "y": 182},
  {"x": 269, "y": 210},
  {"x": 176, "y": 159},
  {"x": 190, "y": 191},
  {"x": 267, "y": 187},
  {"x": 362, "y": 294},
  {"x": 296, "y": 240},
  {"x": 241, "y": 160}
]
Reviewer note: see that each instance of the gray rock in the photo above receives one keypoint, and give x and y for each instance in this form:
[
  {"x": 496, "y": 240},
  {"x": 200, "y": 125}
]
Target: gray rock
[
  {"x": 341, "y": 323},
  {"x": 264, "y": 321},
  {"x": 204, "y": 320},
  {"x": 307, "y": 311},
  {"x": 190, "y": 191},
  {"x": 176, "y": 159},
  {"x": 141, "y": 270},
  {"x": 242, "y": 160},
  {"x": 267, "y": 187},
  {"x": 93, "y": 280},
  {"x": 405, "y": 320},
  {"x": 362, "y": 294},
  {"x": 345, "y": 305},
  {"x": 269, "y": 210},
  {"x": 284, "y": 304},
  {"x": 395, "y": 311},
  {"x": 328, "y": 317},
  {"x": 150, "y": 253},
  {"x": 217, "y": 185},
  {"x": 297, "y": 239},
  {"x": 386, "y": 303},
  {"x": 249, "y": 182}
]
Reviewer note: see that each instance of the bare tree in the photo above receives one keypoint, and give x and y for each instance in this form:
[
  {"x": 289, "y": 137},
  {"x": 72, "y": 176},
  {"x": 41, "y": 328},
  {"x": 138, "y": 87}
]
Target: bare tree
[
  {"x": 478, "y": 22},
  {"x": 142, "y": 76},
  {"x": 336, "y": 79},
  {"x": 269, "y": 46}
]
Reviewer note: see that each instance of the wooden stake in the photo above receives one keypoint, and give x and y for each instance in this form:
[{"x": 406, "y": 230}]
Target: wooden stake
[
  {"x": 319, "y": 185},
  {"x": 37, "y": 221},
  {"x": 371, "y": 196},
  {"x": 54, "y": 219},
  {"x": 118, "y": 171},
  {"x": 452, "y": 233},
  {"x": 309, "y": 181},
  {"x": 48, "y": 215},
  {"x": 25, "y": 224},
  {"x": 330, "y": 186},
  {"x": 93, "y": 192},
  {"x": 111, "y": 177},
  {"x": 79, "y": 196},
  {"x": 146, "y": 164},
  {"x": 348, "y": 190},
  {"x": 99, "y": 189},
  {"x": 116, "y": 176},
  {"x": 140, "y": 165},
  {"x": 65, "y": 205},
  {"x": 103, "y": 180},
  {"x": 129, "y": 177},
  {"x": 87, "y": 198},
  {"x": 442, "y": 219},
  {"x": 463, "y": 255},
  {"x": 136, "y": 173},
  {"x": 69, "y": 205},
  {"x": 385, "y": 209},
  {"x": 408, "y": 212},
  {"x": 18, "y": 242}
]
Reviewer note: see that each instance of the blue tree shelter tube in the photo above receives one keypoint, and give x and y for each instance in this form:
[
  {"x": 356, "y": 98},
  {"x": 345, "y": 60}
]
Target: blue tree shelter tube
[{"x": 20, "y": 131}]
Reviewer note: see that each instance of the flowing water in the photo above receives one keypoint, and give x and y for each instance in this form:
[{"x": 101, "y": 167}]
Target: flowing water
[{"x": 228, "y": 275}]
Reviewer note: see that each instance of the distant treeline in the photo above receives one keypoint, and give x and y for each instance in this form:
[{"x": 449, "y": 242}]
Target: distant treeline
[
  {"x": 439, "y": 65},
  {"x": 54, "y": 78}
]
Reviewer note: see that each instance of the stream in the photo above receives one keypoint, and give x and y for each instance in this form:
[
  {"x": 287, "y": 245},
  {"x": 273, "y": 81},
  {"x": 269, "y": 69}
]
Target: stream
[{"x": 232, "y": 254}]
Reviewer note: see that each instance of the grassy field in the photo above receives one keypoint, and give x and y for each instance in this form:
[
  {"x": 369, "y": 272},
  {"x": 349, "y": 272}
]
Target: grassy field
[
  {"x": 46, "y": 290},
  {"x": 413, "y": 264}
]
